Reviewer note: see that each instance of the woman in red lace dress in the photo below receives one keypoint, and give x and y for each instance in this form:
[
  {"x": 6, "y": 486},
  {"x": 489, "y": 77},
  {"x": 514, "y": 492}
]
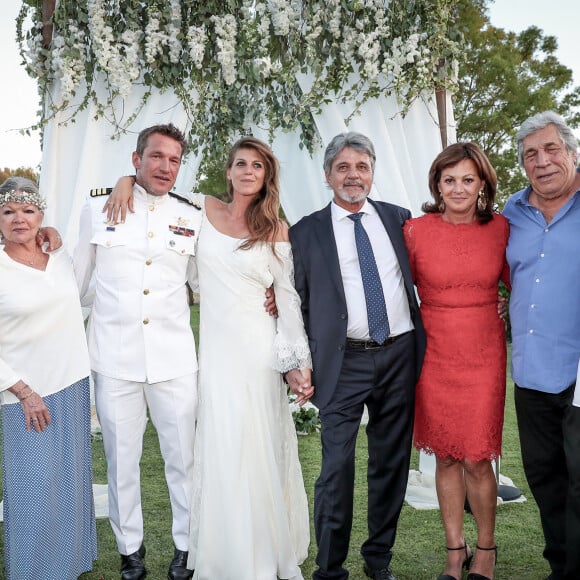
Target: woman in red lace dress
[{"x": 457, "y": 253}]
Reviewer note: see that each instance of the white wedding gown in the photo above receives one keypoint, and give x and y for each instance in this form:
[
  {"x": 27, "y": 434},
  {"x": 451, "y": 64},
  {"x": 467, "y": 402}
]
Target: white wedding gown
[{"x": 249, "y": 511}]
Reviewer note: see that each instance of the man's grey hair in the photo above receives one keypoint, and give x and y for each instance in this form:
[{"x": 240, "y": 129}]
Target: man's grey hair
[
  {"x": 540, "y": 121},
  {"x": 356, "y": 141}
]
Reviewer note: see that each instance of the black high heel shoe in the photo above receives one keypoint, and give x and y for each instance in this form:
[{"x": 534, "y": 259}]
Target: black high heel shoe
[
  {"x": 466, "y": 562},
  {"x": 475, "y": 576}
]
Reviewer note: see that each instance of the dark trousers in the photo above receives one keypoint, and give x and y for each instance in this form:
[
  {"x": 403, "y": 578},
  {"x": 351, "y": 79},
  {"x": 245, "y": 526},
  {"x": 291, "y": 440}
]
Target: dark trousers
[
  {"x": 384, "y": 380},
  {"x": 549, "y": 428}
]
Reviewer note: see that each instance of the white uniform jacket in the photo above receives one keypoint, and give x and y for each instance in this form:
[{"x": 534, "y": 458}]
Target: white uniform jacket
[{"x": 134, "y": 276}]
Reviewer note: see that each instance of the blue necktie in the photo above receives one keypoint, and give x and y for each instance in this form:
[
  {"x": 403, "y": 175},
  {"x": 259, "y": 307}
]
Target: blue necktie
[{"x": 376, "y": 309}]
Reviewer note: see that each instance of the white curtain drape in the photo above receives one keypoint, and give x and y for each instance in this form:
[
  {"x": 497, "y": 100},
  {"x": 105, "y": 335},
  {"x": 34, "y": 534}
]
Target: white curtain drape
[{"x": 83, "y": 155}]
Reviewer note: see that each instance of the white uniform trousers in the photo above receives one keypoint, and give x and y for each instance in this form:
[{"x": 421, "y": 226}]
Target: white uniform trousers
[{"x": 122, "y": 412}]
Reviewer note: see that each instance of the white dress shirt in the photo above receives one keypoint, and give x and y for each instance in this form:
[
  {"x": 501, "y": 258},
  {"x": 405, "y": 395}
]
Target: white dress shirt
[
  {"x": 42, "y": 337},
  {"x": 387, "y": 264},
  {"x": 139, "y": 329}
]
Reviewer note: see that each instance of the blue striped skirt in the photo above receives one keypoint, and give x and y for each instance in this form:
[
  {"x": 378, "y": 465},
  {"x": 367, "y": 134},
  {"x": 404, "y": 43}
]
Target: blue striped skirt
[{"x": 49, "y": 514}]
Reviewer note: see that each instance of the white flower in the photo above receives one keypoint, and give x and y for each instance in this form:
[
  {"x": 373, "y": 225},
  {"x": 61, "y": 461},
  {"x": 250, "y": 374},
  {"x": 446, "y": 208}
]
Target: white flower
[
  {"x": 173, "y": 31},
  {"x": 264, "y": 66},
  {"x": 68, "y": 62},
  {"x": 153, "y": 41},
  {"x": 226, "y": 30},
  {"x": 196, "y": 39},
  {"x": 284, "y": 14},
  {"x": 329, "y": 39}
]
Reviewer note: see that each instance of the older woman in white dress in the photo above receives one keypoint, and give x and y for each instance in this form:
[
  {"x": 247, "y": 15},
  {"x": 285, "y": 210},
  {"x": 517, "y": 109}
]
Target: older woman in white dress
[{"x": 49, "y": 520}]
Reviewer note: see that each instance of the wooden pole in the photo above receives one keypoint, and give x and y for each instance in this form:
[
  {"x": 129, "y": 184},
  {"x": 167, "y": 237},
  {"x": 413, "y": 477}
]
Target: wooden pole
[
  {"x": 48, "y": 7},
  {"x": 441, "y": 101}
]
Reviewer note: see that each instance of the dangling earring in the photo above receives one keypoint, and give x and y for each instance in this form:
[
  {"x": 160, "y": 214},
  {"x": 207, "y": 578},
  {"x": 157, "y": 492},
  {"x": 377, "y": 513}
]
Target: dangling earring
[
  {"x": 481, "y": 201},
  {"x": 441, "y": 205}
]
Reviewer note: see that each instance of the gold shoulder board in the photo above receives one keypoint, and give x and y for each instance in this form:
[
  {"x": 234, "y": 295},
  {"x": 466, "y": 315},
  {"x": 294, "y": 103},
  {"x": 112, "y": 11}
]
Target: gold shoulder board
[{"x": 101, "y": 191}]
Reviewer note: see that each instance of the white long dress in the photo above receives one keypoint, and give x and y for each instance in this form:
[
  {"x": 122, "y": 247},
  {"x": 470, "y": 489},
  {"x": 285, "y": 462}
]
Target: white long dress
[{"x": 249, "y": 511}]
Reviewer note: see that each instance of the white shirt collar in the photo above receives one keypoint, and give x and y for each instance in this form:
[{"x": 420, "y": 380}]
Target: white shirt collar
[
  {"x": 339, "y": 213},
  {"x": 140, "y": 193}
]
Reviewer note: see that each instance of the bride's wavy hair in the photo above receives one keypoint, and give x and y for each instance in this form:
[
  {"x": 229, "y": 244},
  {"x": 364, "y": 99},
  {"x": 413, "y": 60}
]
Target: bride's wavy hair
[{"x": 262, "y": 215}]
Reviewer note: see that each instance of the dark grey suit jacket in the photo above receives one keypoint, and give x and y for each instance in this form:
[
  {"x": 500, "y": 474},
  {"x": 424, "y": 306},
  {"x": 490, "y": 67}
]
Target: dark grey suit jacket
[{"x": 319, "y": 283}]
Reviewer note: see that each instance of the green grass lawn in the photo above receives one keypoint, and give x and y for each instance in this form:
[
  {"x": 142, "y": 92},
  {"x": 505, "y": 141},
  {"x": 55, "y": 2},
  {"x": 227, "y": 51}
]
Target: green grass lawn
[{"x": 419, "y": 551}]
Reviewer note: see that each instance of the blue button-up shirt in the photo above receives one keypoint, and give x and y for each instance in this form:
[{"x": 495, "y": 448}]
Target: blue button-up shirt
[{"x": 544, "y": 260}]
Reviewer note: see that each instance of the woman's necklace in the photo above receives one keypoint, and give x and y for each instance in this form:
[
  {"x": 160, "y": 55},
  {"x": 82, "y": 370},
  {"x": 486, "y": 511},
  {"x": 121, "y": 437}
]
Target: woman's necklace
[{"x": 35, "y": 261}]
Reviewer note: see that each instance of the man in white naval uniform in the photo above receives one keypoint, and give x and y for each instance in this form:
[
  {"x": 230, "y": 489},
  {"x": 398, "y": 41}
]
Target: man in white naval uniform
[{"x": 140, "y": 341}]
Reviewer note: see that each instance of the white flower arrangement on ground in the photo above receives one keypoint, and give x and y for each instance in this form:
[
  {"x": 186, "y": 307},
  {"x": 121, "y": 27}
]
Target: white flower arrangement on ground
[{"x": 240, "y": 59}]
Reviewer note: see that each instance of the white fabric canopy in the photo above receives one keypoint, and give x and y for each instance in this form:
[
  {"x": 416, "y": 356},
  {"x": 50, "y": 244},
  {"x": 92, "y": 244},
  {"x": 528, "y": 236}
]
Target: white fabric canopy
[{"x": 83, "y": 155}]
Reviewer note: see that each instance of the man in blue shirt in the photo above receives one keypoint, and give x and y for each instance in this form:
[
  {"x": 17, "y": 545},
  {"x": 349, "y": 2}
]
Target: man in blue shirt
[{"x": 544, "y": 257}]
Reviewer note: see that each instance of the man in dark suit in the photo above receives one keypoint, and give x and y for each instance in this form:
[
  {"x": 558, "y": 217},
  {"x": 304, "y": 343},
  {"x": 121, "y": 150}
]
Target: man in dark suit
[{"x": 354, "y": 364}]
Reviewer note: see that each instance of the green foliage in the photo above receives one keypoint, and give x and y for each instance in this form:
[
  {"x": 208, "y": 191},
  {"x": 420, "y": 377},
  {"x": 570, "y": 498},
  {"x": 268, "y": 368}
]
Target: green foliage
[
  {"x": 241, "y": 62},
  {"x": 213, "y": 179},
  {"x": 505, "y": 293},
  {"x": 504, "y": 79},
  {"x": 306, "y": 418}
]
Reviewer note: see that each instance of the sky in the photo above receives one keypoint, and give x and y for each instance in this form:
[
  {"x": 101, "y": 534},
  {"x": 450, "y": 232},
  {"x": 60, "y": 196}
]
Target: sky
[{"x": 19, "y": 99}]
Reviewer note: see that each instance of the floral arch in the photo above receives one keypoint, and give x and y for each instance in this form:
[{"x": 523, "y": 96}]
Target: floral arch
[{"x": 293, "y": 72}]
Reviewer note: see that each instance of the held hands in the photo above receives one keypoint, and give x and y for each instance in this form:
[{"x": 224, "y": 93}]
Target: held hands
[
  {"x": 300, "y": 383},
  {"x": 120, "y": 199}
]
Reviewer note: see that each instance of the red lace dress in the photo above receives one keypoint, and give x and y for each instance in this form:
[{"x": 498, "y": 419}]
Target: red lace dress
[{"x": 461, "y": 391}]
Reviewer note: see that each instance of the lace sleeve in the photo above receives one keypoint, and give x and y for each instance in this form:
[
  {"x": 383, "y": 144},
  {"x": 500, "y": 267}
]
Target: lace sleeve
[{"x": 291, "y": 349}]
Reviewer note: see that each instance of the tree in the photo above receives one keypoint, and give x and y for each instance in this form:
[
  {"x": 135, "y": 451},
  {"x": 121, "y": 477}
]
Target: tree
[
  {"x": 21, "y": 171},
  {"x": 213, "y": 180},
  {"x": 504, "y": 78}
]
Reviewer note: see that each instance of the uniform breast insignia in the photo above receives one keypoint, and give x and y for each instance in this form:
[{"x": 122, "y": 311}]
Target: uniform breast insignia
[
  {"x": 98, "y": 191},
  {"x": 185, "y": 200},
  {"x": 181, "y": 230}
]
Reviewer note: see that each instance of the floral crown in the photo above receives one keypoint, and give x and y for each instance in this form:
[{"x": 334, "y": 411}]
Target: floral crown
[{"x": 20, "y": 196}]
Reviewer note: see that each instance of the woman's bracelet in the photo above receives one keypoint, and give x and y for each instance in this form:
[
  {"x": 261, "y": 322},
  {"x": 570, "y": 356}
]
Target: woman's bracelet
[{"x": 30, "y": 393}]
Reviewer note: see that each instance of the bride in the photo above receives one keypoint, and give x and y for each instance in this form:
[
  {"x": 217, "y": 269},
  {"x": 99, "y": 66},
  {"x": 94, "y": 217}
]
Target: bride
[{"x": 249, "y": 510}]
